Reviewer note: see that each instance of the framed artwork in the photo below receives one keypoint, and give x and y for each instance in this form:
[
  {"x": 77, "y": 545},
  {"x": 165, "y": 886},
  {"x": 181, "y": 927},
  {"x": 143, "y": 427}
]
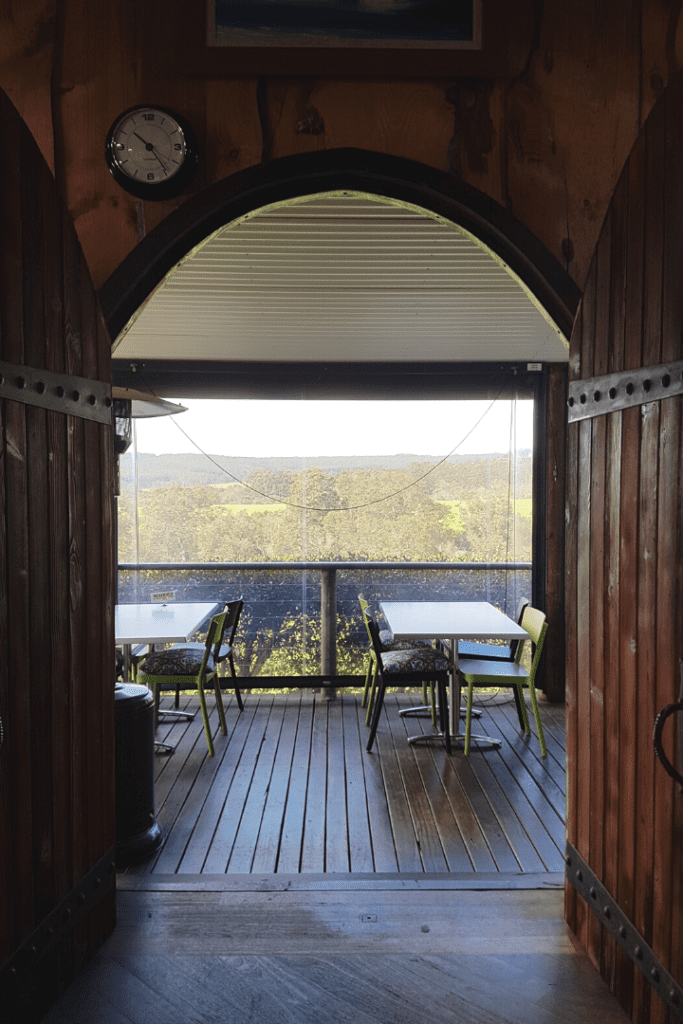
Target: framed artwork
[
  {"x": 354, "y": 37},
  {"x": 434, "y": 24}
]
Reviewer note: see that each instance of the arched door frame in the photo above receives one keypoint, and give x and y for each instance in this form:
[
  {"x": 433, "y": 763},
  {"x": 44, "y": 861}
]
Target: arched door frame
[
  {"x": 356, "y": 170},
  {"x": 294, "y": 177}
]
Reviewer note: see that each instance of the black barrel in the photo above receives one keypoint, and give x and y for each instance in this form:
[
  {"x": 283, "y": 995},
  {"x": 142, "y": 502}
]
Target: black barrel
[{"x": 138, "y": 834}]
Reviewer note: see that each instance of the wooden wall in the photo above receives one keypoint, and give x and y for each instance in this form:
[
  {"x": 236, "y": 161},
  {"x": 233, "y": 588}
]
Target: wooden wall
[
  {"x": 56, "y": 596},
  {"x": 624, "y": 578},
  {"x": 547, "y": 141}
]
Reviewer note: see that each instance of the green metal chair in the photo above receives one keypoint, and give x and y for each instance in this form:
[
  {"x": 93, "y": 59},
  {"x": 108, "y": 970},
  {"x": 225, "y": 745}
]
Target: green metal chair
[
  {"x": 495, "y": 652},
  {"x": 388, "y": 644},
  {"x": 187, "y": 667},
  {"x": 223, "y": 650},
  {"x": 481, "y": 673},
  {"x": 419, "y": 666}
]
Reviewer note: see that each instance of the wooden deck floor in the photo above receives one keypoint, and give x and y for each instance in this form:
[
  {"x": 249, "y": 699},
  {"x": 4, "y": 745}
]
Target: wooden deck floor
[
  {"x": 293, "y": 791},
  {"x": 303, "y": 879}
]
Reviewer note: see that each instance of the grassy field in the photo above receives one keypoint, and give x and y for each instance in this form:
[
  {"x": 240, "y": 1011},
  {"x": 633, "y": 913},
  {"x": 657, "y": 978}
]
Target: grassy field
[
  {"x": 249, "y": 510},
  {"x": 454, "y": 521},
  {"x": 523, "y": 507}
]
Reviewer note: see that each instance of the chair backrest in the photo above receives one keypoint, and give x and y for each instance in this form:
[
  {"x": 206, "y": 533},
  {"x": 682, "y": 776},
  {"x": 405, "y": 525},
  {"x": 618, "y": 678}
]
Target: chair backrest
[
  {"x": 534, "y": 622},
  {"x": 373, "y": 632},
  {"x": 214, "y": 636},
  {"x": 514, "y": 644},
  {"x": 234, "y": 610},
  {"x": 364, "y": 605}
]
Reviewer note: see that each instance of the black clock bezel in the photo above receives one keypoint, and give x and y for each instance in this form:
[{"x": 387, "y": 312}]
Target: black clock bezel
[{"x": 160, "y": 190}]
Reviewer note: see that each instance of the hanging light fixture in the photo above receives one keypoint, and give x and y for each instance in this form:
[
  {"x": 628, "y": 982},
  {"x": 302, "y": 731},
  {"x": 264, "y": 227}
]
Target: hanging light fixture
[{"x": 130, "y": 405}]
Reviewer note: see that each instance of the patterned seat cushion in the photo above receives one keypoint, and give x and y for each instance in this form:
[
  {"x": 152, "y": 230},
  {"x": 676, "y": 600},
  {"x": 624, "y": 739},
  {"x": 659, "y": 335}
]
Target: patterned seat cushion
[
  {"x": 386, "y": 638},
  {"x": 419, "y": 659},
  {"x": 192, "y": 645},
  {"x": 179, "y": 662}
]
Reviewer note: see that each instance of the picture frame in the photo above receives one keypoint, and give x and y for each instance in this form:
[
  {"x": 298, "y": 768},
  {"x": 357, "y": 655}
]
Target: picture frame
[{"x": 375, "y": 38}]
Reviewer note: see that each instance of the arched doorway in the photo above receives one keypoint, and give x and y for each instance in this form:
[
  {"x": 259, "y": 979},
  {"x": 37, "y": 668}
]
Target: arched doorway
[{"x": 400, "y": 181}]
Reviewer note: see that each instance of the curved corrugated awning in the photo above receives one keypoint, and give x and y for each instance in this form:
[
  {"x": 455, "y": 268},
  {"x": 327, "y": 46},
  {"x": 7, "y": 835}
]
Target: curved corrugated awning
[{"x": 342, "y": 277}]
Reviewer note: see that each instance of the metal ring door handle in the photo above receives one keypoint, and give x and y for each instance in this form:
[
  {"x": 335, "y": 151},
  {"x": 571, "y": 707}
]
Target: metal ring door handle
[{"x": 661, "y": 718}]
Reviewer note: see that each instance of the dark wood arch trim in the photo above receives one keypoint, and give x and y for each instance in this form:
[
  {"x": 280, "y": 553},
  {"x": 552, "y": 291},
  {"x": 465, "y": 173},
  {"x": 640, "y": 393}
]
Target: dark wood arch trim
[{"x": 307, "y": 174}]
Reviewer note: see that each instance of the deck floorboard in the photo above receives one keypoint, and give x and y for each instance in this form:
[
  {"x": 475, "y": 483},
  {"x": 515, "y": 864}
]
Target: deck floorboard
[
  {"x": 371, "y": 957},
  {"x": 293, "y": 791}
]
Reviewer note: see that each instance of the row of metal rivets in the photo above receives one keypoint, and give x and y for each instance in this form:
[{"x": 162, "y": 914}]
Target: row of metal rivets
[
  {"x": 591, "y": 889},
  {"x": 597, "y": 396},
  {"x": 90, "y": 890},
  {"x": 58, "y": 392}
]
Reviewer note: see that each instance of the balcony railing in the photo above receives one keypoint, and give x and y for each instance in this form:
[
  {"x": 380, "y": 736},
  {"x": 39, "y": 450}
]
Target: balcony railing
[{"x": 278, "y": 595}]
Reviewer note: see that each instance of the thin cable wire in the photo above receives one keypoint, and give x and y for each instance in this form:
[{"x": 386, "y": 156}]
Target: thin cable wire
[
  {"x": 507, "y": 530},
  {"x": 344, "y": 508}
]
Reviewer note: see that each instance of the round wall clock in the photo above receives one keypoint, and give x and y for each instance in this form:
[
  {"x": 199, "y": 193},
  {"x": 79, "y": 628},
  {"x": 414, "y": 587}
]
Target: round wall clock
[{"x": 151, "y": 152}]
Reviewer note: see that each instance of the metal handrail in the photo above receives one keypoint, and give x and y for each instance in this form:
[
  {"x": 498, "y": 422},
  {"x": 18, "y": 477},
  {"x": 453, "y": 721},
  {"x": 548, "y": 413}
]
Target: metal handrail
[
  {"x": 226, "y": 566},
  {"x": 328, "y": 590}
]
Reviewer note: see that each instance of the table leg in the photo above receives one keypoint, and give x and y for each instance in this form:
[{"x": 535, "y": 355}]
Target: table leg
[
  {"x": 453, "y": 703},
  {"x": 127, "y": 650},
  {"x": 454, "y": 692}
]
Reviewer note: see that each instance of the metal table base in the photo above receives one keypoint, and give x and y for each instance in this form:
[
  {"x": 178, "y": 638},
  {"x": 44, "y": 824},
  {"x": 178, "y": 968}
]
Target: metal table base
[{"x": 455, "y": 735}]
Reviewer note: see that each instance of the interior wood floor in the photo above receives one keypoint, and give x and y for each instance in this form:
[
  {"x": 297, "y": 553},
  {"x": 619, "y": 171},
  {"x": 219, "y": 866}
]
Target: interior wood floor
[
  {"x": 292, "y": 790},
  {"x": 303, "y": 880},
  {"x": 310, "y": 957}
]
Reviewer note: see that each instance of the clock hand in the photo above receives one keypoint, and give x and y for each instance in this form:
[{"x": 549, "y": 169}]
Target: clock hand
[
  {"x": 148, "y": 145},
  {"x": 165, "y": 168}
]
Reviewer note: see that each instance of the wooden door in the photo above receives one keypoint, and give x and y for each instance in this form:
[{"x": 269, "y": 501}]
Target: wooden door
[
  {"x": 57, "y": 883},
  {"x": 624, "y": 571}
]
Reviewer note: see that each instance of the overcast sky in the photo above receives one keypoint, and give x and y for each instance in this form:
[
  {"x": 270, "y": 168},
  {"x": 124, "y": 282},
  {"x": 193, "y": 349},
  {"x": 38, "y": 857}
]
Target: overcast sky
[{"x": 311, "y": 428}]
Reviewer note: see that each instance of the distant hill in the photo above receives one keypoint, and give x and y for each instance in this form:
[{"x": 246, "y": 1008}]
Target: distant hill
[{"x": 191, "y": 470}]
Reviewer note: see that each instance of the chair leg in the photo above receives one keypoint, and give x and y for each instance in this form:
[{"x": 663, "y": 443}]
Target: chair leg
[
  {"x": 376, "y": 712},
  {"x": 205, "y": 715},
  {"x": 372, "y": 694},
  {"x": 368, "y": 678},
  {"x": 156, "y": 690},
  {"x": 537, "y": 719},
  {"x": 519, "y": 699},
  {"x": 468, "y": 718},
  {"x": 521, "y": 705},
  {"x": 233, "y": 673},
  {"x": 443, "y": 709},
  {"x": 219, "y": 701}
]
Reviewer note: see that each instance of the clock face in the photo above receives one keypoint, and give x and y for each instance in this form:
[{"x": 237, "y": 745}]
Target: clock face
[{"x": 151, "y": 152}]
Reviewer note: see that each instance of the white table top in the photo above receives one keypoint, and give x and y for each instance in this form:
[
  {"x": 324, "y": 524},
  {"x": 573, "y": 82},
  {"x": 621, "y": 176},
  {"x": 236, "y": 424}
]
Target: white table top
[
  {"x": 449, "y": 620},
  {"x": 160, "y": 623}
]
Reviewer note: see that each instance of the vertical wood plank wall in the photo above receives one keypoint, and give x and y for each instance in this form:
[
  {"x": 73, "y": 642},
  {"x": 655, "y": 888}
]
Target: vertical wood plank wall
[
  {"x": 546, "y": 139},
  {"x": 56, "y": 582},
  {"x": 624, "y": 631}
]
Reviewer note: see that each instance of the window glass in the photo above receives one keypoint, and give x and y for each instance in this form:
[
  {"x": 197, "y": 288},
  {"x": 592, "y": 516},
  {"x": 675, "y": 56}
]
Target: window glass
[{"x": 343, "y": 481}]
